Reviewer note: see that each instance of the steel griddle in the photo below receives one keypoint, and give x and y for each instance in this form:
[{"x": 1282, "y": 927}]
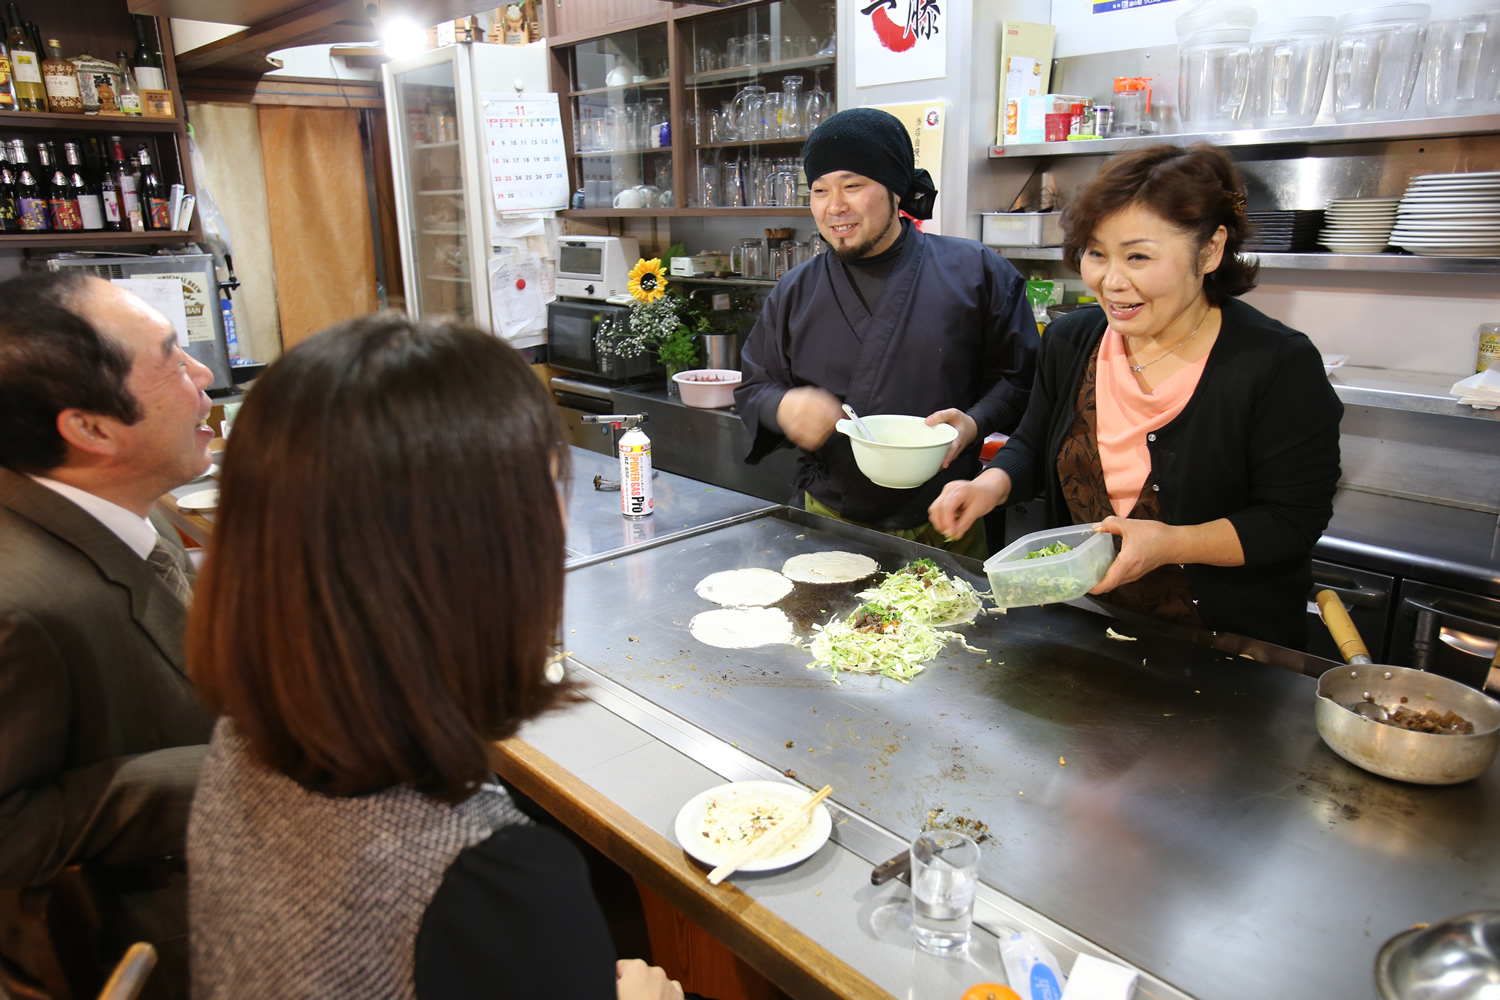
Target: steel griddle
[{"x": 1198, "y": 829}]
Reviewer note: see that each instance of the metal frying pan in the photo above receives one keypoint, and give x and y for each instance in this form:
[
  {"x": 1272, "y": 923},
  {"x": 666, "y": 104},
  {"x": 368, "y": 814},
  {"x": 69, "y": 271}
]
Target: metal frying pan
[{"x": 1422, "y": 758}]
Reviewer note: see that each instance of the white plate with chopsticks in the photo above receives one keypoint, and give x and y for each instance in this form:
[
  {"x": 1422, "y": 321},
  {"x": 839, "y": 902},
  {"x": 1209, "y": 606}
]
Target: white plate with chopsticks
[{"x": 716, "y": 825}]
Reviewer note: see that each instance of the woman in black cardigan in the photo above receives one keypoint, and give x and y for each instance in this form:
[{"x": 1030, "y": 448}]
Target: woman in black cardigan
[{"x": 1200, "y": 431}]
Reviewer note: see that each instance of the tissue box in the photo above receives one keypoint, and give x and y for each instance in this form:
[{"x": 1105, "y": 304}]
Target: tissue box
[
  {"x": 1032, "y": 112},
  {"x": 700, "y": 265}
]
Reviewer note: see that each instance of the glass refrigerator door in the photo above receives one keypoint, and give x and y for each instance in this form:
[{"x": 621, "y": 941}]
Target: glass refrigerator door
[{"x": 438, "y": 208}]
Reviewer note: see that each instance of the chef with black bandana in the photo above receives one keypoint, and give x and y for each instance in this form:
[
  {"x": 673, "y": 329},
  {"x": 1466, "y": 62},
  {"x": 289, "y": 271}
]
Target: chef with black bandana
[{"x": 893, "y": 320}]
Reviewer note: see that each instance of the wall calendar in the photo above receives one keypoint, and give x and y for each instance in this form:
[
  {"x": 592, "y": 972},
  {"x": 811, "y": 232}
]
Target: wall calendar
[{"x": 524, "y": 152}]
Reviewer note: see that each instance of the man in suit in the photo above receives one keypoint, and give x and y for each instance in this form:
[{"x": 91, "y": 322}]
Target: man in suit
[{"x": 101, "y": 733}]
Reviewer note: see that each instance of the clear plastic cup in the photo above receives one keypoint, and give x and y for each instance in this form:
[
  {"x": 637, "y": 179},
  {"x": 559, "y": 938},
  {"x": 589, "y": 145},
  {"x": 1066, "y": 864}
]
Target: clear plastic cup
[{"x": 1289, "y": 62}]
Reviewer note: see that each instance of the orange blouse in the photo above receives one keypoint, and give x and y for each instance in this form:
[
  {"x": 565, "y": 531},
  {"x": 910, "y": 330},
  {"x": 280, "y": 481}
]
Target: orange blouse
[{"x": 1127, "y": 413}]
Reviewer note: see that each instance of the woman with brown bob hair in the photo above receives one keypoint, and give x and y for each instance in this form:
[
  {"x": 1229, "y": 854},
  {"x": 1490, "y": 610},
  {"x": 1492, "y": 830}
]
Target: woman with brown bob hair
[
  {"x": 385, "y": 581},
  {"x": 1201, "y": 432}
]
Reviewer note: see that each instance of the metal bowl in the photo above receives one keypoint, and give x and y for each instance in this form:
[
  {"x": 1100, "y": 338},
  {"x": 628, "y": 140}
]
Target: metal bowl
[
  {"x": 1422, "y": 758},
  {"x": 1458, "y": 959}
]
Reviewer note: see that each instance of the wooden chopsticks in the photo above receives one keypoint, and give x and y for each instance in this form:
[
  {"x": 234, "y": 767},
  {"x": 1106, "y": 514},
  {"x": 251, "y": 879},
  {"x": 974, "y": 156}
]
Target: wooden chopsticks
[{"x": 774, "y": 836}]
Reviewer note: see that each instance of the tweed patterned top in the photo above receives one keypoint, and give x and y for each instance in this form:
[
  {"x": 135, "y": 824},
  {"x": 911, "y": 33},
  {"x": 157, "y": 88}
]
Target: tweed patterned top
[{"x": 293, "y": 894}]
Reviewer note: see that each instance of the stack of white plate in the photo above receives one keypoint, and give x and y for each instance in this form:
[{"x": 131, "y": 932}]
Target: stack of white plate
[
  {"x": 1358, "y": 225},
  {"x": 1450, "y": 215}
]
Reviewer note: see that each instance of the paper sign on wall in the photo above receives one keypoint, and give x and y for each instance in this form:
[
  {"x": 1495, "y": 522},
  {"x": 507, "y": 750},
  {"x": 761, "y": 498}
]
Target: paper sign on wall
[
  {"x": 524, "y": 153},
  {"x": 1107, "y": 6},
  {"x": 898, "y": 40},
  {"x": 518, "y": 303},
  {"x": 924, "y": 123},
  {"x": 166, "y": 297}
]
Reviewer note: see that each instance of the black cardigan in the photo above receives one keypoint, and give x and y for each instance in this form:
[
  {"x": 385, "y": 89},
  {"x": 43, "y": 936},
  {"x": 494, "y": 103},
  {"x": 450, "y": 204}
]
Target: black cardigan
[{"x": 1258, "y": 443}]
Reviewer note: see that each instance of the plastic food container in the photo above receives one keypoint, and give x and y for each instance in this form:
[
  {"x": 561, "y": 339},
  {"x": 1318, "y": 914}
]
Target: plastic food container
[
  {"x": 1021, "y": 229},
  {"x": 708, "y": 388},
  {"x": 1289, "y": 62},
  {"x": 1462, "y": 66},
  {"x": 1018, "y": 582},
  {"x": 1213, "y": 78},
  {"x": 1375, "y": 61},
  {"x": 905, "y": 453}
]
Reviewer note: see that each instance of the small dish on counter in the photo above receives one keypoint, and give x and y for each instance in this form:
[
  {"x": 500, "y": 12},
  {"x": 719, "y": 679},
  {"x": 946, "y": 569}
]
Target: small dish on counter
[
  {"x": 200, "y": 501},
  {"x": 1333, "y": 362},
  {"x": 716, "y": 824},
  {"x": 707, "y": 388}
]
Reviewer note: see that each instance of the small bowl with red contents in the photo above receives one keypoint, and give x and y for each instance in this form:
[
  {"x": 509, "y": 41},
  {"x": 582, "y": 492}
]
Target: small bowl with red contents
[{"x": 708, "y": 388}]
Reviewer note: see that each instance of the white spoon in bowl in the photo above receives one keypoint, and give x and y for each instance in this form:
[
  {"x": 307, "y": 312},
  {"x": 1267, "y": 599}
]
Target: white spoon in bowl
[{"x": 849, "y": 411}]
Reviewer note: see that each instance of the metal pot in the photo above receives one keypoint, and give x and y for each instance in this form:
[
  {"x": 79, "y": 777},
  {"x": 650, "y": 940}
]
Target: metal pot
[
  {"x": 722, "y": 350},
  {"x": 1421, "y": 758}
]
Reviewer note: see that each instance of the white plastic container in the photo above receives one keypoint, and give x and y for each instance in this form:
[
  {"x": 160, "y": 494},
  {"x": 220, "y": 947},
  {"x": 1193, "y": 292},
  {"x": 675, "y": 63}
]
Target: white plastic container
[
  {"x": 1018, "y": 582},
  {"x": 1461, "y": 68},
  {"x": 1213, "y": 78},
  {"x": 1214, "y": 14},
  {"x": 1021, "y": 229},
  {"x": 1375, "y": 60},
  {"x": 1289, "y": 62},
  {"x": 707, "y": 388},
  {"x": 905, "y": 453}
]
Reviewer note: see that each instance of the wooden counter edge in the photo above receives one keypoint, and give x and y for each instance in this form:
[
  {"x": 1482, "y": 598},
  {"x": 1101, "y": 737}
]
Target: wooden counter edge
[{"x": 776, "y": 949}]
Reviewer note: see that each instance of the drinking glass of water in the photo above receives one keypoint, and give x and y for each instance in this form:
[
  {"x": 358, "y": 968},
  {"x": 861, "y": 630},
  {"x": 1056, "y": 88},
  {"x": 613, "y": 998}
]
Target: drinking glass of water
[{"x": 944, "y": 874}]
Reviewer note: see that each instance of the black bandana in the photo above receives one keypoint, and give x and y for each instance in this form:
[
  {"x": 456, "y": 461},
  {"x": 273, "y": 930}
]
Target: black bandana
[{"x": 874, "y": 144}]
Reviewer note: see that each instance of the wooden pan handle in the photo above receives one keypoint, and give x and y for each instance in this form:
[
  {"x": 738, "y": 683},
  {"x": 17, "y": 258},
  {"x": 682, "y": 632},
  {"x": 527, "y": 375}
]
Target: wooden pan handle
[{"x": 1341, "y": 627}]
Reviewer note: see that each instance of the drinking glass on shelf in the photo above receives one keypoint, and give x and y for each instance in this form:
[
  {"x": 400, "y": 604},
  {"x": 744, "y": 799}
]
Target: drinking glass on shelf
[
  {"x": 734, "y": 184},
  {"x": 817, "y": 106},
  {"x": 708, "y": 59},
  {"x": 610, "y": 130},
  {"x": 655, "y": 118},
  {"x": 771, "y": 116},
  {"x": 710, "y": 194},
  {"x": 830, "y": 44},
  {"x": 738, "y": 52},
  {"x": 793, "y": 109},
  {"x": 745, "y": 112},
  {"x": 784, "y": 183},
  {"x": 759, "y": 47},
  {"x": 748, "y": 258}
]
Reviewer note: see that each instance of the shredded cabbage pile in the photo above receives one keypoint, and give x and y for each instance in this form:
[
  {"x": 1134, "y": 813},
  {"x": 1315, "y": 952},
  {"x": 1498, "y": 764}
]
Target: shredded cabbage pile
[
  {"x": 923, "y": 594},
  {"x": 900, "y": 649}
]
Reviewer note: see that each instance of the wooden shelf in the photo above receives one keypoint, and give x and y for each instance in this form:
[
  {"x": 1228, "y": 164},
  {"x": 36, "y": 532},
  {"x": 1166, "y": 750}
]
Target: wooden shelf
[
  {"x": 86, "y": 123},
  {"x": 737, "y": 74},
  {"x": 98, "y": 239},
  {"x": 619, "y": 152},
  {"x": 660, "y": 81},
  {"x": 790, "y": 212},
  {"x": 744, "y": 143}
]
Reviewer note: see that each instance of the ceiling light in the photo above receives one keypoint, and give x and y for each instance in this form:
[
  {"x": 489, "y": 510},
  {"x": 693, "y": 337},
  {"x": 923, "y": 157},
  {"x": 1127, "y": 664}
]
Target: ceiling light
[{"x": 401, "y": 37}]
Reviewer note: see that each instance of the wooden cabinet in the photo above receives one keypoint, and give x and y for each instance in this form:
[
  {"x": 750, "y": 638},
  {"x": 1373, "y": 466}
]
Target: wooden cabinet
[
  {"x": 573, "y": 17},
  {"x": 101, "y": 28},
  {"x": 736, "y": 91}
]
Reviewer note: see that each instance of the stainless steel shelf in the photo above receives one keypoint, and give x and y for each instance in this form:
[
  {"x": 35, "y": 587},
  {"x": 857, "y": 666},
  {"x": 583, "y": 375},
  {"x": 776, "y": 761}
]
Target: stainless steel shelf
[
  {"x": 756, "y": 282},
  {"x": 1396, "y": 390},
  {"x": 1407, "y": 263},
  {"x": 1414, "y": 128}
]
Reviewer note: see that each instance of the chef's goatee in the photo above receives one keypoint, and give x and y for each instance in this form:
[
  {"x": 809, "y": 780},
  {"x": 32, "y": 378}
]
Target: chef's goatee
[{"x": 874, "y": 144}]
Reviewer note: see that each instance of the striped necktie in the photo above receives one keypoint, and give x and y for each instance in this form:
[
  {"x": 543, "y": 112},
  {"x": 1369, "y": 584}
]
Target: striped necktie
[{"x": 167, "y": 567}]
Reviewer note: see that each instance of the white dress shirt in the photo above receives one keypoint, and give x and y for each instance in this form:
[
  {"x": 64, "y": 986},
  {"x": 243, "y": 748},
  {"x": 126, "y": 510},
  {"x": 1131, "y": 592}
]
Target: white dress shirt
[{"x": 135, "y": 531}]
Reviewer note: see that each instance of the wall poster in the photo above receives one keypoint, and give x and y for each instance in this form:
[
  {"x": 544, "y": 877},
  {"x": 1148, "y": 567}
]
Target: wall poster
[
  {"x": 898, "y": 40},
  {"x": 924, "y": 123}
]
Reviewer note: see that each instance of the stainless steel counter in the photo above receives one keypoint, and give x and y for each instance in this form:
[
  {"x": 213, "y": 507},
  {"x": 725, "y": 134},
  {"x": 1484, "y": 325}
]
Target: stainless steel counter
[
  {"x": 1169, "y": 804},
  {"x": 1408, "y": 538},
  {"x": 595, "y": 524}
]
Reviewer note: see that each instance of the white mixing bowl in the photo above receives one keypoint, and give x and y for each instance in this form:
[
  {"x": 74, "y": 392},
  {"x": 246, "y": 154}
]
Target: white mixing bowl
[{"x": 905, "y": 453}]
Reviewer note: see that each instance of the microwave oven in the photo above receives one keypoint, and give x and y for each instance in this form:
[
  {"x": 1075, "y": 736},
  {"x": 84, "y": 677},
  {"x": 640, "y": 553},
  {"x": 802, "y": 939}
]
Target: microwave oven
[
  {"x": 571, "y": 328},
  {"x": 595, "y": 267}
]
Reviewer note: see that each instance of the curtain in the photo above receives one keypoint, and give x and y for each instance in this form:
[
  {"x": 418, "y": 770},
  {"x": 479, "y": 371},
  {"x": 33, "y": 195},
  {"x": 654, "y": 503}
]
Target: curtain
[
  {"x": 229, "y": 139},
  {"x": 320, "y": 217}
]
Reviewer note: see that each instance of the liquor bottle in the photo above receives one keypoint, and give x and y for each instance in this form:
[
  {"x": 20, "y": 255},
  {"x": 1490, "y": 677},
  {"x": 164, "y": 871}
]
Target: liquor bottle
[
  {"x": 31, "y": 200},
  {"x": 126, "y": 95},
  {"x": 7, "y": 91},
  {"x": 9, "y": 219},
  {"x": 60, "y": 197},
  {"x": 85, "y": 190},
  {"x": 130, "y": 204},
  {"x": 148, "y": 74},
  {"x": 115, "y": 218},
  {"x": 153, "y": 192},
  {"x": 25, "y": 66},
  {"x": 61, "y": 80}
]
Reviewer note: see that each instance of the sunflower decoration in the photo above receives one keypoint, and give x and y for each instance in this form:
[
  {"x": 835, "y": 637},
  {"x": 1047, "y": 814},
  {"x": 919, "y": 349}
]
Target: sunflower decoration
[{"x": 648, "y": 282}]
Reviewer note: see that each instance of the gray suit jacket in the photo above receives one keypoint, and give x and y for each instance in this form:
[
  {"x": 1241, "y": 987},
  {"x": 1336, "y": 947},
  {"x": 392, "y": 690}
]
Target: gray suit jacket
[{"x": 101, "y": 732}]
